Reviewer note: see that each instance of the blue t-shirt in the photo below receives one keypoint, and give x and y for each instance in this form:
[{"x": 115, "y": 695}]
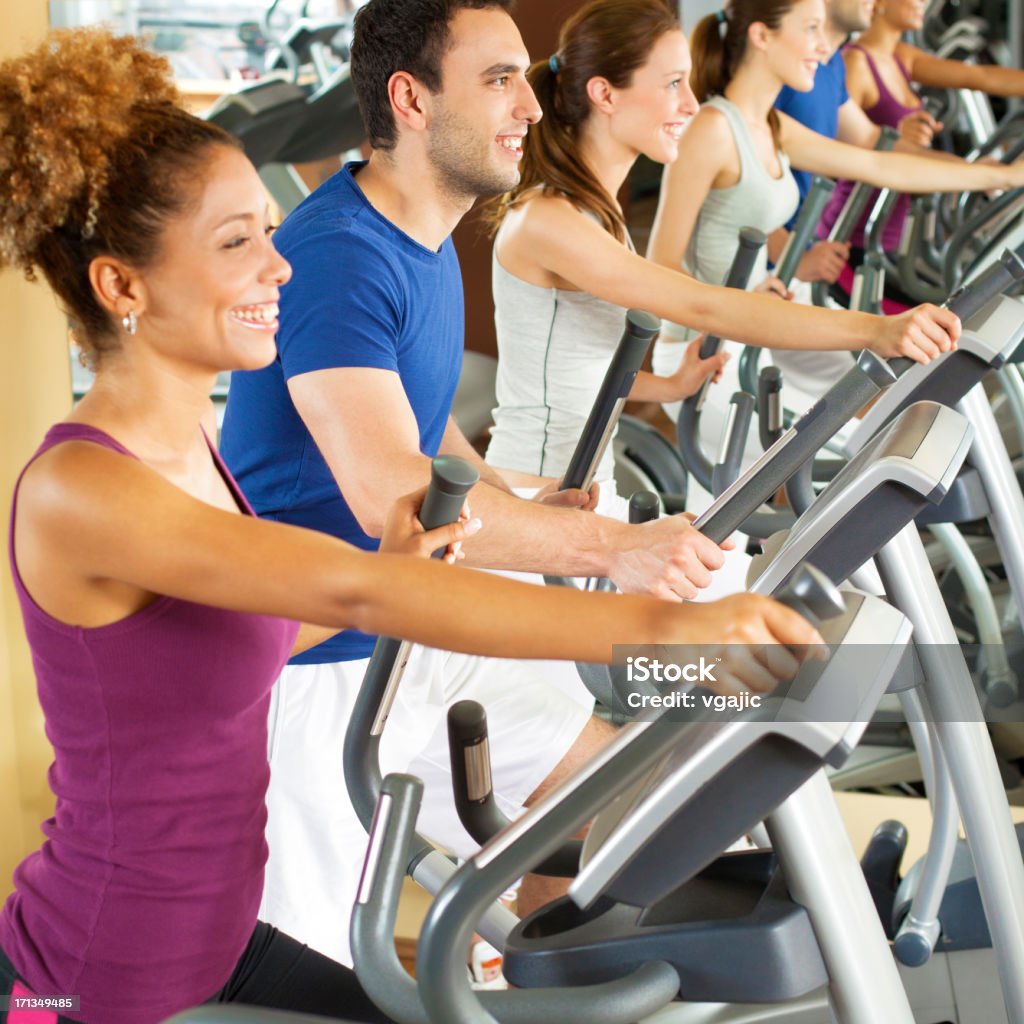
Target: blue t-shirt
[
  {"x": 362, "y": 294},
  {"x": 817, "y": 109}
]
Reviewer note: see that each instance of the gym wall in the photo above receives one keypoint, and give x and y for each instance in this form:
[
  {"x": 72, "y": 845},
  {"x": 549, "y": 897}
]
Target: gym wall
[{"x": 35, "y": 391}]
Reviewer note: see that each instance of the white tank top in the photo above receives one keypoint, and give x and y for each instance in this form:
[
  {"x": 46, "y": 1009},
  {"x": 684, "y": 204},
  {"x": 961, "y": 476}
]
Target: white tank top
[
  {"x": 554, "y": 347},
  {"x": 757, "y": 200}
]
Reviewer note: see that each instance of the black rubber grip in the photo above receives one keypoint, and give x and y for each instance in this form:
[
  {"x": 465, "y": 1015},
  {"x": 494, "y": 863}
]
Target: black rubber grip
[
  {"x": 769, "y": 406},
  {"x": 803, "y": 231},
  {"x": 811, "y": 593},
  {"x": 474, "y": 793},
  {"x": 640, "y": 330},
  {"x": 643, "y": 507},
  {"x": 993, "y": 281},
  {"x": 750, "y": 244},
  {"x": 735, "y": 443},
  {"x": 451, "y": 479}
]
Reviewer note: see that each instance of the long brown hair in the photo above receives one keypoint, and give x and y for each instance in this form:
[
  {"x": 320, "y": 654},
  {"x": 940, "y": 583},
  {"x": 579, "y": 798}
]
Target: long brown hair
[
  {"x": 719, "y": 44},
  {"x": 608, "y": 39}
]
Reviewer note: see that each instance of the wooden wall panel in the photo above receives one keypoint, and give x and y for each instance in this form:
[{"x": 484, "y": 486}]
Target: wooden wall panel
[{"x": 35, "y": 391}]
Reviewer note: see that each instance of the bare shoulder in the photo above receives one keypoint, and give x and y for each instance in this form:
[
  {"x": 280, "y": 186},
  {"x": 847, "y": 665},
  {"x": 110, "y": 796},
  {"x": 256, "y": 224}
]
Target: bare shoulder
[
  {"x": 709, "y": 126},
  {"x": 908, "y": 55},
  {"x": 77, "y": 481}
]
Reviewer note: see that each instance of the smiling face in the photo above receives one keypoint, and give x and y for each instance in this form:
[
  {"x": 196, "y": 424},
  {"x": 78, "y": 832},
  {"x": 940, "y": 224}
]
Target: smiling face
[
  {"x": 211, "y": 293},
  {"x": 650, "y": 114},
  {"x": 798, "y": 46},
  {"x": 480, "y": 117}
]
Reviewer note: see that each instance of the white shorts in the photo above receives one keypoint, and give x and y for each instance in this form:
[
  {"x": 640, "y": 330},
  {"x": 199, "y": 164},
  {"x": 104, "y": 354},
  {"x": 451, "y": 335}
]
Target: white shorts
[{"x": 535, "y": 712}]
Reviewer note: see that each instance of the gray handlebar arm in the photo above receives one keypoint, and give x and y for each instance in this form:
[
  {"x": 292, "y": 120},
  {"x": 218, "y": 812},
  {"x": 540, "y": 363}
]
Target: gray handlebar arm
[
  {"x": 751, "y": 241},
  {"x": 536, "y": 835},
  {"x": 451, "y": 479},
  {"x": 852, "y": 211},
  {"x": 769, "y": 406},
  {"x": 803, "y": 231},
  {"x": 395, "y": 992},
  {"x": 469, "y": 749},
  {"x": 861, "y": 383},
  {"x": 734, "y": 441},
  {"x": 641, "y": 329}
]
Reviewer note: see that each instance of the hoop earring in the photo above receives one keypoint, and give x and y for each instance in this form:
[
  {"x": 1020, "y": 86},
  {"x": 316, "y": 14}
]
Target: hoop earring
[{"x": 130, "y": 322}]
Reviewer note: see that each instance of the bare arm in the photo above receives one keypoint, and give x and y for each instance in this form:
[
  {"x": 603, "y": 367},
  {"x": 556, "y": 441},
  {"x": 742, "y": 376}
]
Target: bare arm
[
  {"x": 454, "y": 443},
  {"x": 73, "y": 543},
  {"x": 903, "y": 172},
  {"x": 362, "y": 423},
  {"x": 955, "y": 74},
  {"x": 557, "y": 230}
]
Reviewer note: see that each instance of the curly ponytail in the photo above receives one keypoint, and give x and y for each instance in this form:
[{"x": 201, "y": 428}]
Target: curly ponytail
[{"x": 95, "y": 156}]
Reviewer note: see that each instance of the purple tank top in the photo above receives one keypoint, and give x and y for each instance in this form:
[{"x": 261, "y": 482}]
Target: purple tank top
[
  {"x": 886, "y": 112},
  {"x": 145, "y": 892}
]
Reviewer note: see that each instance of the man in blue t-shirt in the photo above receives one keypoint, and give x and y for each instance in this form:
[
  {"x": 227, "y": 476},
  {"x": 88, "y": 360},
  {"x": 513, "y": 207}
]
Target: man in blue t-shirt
[
  {"x": 346, "y": 420},
  {"x": 828, "y": 110}
]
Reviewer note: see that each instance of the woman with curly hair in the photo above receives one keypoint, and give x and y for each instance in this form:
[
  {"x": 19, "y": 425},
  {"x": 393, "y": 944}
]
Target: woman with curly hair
[{"x": 158, "y": 609}]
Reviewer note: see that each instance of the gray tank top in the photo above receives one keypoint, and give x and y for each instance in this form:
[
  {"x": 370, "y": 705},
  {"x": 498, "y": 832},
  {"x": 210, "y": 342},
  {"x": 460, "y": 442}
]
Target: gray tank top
[
  {"x": 757, "y": 200},
  {"x": 554, "y": 347}
]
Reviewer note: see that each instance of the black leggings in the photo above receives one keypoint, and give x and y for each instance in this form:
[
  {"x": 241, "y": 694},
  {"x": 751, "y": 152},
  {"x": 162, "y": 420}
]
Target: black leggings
[{"x": 274, "y": 971}]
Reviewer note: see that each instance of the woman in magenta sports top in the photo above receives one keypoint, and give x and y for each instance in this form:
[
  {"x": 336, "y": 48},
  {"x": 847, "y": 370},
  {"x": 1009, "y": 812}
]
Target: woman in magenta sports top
[
  {"x": 158, "y": 609},
  {"x": 881, "y": 70}
]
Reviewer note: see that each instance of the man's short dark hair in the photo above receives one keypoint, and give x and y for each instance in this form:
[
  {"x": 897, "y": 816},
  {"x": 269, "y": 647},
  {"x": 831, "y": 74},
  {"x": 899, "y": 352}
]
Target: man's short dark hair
[{"x": 401, "y": 35}]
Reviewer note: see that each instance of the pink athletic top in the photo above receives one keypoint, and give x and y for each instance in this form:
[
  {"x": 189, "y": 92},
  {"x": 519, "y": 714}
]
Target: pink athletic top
[
  {"x": 144, "y": 894},
  {"x": 888, "y": 111}
]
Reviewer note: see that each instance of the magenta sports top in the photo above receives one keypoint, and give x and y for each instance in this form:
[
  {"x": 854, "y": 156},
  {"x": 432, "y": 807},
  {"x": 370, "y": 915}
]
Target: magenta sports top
[
  {"x": 145, "y": 892},
  {"x": 887, "y": 111}
]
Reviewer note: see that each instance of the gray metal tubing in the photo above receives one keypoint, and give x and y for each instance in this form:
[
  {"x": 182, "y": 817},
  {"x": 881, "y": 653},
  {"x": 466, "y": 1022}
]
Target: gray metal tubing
[
  {"x": 1013, "y": 386},
  {"x": 373, "y": 924},
  {"x": 800, "y": 488},
  {"x": 769, "y": 406},
  {"x": 751, "y": 242},
  {"x": 912, "y": 247},
  {"x": 640, "y": 330},
  {"x": 688, "y": 426},
  {"x": 823, "y": 875},
  {"x": 734, "y": 441},
  {"x": 443, "y": 983},
  {"x": 1000, "y": 679},
  {"x": 878, "y": 218},
  {"x": 857, "y": 201},
  {"x": 961, "y": 731},
  {"x": 799, "y": 238},
  {"x": 869, "y": 284},
  {"x": 920, "y": 930},
  {"x": 1006, "y": 502},
  {"x": 864, "y": 380},
  {"x": 802, "y": 234}
]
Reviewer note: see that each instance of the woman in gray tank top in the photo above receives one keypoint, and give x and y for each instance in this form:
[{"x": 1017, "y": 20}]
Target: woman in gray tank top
[
  {"x": 733, "y": 171},
  {"x": 564, "y": 269}
]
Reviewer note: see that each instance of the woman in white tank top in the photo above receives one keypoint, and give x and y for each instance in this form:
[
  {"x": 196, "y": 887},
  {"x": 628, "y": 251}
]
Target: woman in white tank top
[{"x": 564, "y": 271}]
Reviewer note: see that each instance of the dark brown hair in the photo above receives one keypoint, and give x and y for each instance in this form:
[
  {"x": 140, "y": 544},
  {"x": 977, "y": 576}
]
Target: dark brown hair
[
  {"x": 401, "y": 35},
  {"x": 608, "y": 39},
  {"x": 96, "y": 156},
  {"x": 719, "y": 44}
]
